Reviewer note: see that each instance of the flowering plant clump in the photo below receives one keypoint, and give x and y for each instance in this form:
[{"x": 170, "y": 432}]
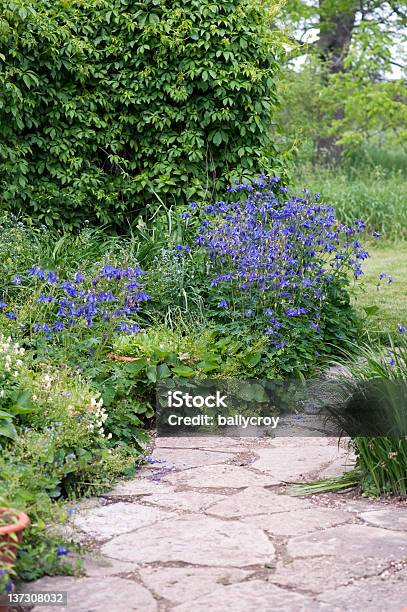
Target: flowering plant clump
[
  {"x": 109, "y": 300},
  {"x": 11, "y": 399},
  {"x": 280, "y": 264}
]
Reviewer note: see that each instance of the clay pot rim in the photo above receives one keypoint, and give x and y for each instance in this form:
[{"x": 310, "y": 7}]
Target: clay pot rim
[{"x": 21, "y": 524}]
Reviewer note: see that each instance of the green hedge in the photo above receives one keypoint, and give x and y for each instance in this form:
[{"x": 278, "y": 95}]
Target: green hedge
[{"x": 107, "y": 106}]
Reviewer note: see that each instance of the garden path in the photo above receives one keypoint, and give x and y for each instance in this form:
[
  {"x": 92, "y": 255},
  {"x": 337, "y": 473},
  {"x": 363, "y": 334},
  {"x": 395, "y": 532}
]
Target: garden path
[{"x": 208, "y": 526}]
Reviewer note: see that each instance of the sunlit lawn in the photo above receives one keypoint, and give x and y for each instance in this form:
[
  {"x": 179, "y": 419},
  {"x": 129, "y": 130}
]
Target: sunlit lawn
[{"x": 390, "y": 299}]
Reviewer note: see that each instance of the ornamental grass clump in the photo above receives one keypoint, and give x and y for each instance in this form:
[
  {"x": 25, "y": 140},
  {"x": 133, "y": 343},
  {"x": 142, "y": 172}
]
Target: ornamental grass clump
[
  {"x": 382, "y": 460},
  {"x": 282, "y": 265},
  {"x": 374, "y": 417}
]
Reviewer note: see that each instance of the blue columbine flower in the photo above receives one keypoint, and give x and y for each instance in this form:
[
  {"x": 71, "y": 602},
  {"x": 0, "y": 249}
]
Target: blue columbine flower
[
  {"x": 280, "y": 345},
  {"x": 52, "y": 278},
  {"x": 78, "y": 277}
]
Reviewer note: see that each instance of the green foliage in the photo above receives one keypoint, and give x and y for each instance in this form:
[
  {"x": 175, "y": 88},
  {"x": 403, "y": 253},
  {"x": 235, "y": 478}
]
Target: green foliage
[
  {"x": 57, "y": 445},
  {"x": 384, "y": 304},
  {"x": 362, "y": 191},
  {"x": 382, "y": 461},
  {"x": 162, "y": 353},
  {"x": 349, "y": 87},
  {"x": 383, "y": 465},
  {"x": 15, "y": 399},
  {"x": 111, "y": 106}
]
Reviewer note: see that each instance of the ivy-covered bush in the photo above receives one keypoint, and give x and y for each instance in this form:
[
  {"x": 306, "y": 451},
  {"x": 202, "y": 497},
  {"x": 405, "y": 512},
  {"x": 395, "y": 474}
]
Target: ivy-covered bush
[{"x": 108, "y": 106}]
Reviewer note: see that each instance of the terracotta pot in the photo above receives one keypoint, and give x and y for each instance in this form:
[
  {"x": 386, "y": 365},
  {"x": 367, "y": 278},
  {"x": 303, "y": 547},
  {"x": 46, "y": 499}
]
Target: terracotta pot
[
  {"x": 6, "y": 530},
  {"x": 17, "y": 528}
]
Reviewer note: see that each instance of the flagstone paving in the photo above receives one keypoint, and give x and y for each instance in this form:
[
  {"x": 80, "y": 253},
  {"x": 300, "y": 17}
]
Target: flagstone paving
[{"x": 208, "y": 526}]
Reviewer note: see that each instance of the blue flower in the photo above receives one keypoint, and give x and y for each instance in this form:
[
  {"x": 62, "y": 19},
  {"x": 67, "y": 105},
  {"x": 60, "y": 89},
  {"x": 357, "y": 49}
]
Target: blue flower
[
  {"x": 402, "y": 329},
  {"x": 78, "y": 277},
  {"x": 3, "y": 305},
  {"x": 223, "y": 304},
  {"x": 52, "y": 278},
  {"x": 61, "y": 550},
  {"x": 16, "y": 280},
  {"x": 11, "y": 315},
  {"x": 37, "y": 271},
  {"x": 280, "y": 345}
]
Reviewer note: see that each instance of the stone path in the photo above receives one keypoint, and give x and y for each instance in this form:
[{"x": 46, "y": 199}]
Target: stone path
[{"x": 209, "y": 527}]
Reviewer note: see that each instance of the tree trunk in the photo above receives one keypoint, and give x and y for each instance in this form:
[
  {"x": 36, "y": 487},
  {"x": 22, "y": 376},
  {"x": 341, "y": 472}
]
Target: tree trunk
[{"x": 335, "y": 35}]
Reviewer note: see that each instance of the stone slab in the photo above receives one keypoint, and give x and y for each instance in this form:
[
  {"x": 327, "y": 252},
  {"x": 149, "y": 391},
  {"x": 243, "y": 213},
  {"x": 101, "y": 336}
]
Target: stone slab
[
  {"x": 114, "y": 519},
  {"x": 196, "y": 540},
  {"x": 388, "y": 594},
  {"x": 184, "y": 458},
  {"x": 220, "y": 477},
  {"x": 352, "y": 542},
  {"x": 220, "y": 443},
  {"x": 184, "y": 584},
  {"x": 392, "y": 518},
  {"x": 299, "y": 522},
  {"x": 188, "y": 501},
  {"x": 344, "y": 463},
  {"x": 295, "y": 463},
  {"x": 255, "y": 501},
  {"x": 97, "y": 594},
  {"x": 98, "y": 566},
  {"x": 139, "y": 486},
  {"x": 252, "y": 596}
]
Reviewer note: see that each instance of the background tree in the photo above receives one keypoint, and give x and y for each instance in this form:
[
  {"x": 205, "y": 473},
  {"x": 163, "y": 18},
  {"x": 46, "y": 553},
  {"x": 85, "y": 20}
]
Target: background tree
[{"x": 346, "y": 74}]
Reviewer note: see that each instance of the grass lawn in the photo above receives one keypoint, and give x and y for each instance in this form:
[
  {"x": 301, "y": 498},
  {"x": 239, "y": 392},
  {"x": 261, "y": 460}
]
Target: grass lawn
[{"x": 390, "y": 299}]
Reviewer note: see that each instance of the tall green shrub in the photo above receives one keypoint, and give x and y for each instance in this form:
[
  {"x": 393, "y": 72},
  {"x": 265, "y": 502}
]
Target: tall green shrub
[{"x": 107, "y": 106}]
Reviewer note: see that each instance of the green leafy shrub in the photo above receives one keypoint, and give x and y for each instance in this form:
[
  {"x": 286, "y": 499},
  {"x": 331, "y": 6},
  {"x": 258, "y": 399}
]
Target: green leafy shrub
[
  {"x": 14, "y": 398},
  {"x": 55, "y": 445},
  {"x": 108, "y": 106}
]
